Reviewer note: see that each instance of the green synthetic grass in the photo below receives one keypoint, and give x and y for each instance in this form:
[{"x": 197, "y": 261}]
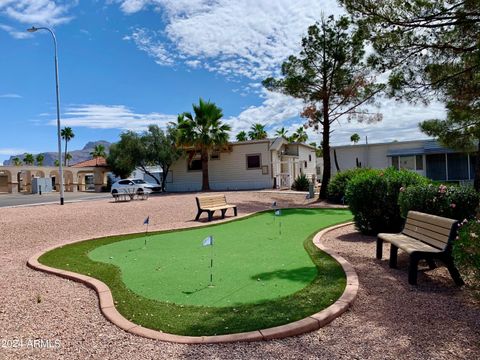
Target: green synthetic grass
[{"x": 266, "y": 272}]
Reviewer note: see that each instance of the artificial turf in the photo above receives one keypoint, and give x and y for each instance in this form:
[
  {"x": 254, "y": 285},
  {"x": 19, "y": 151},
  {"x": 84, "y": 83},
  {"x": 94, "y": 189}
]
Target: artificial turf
[{"x": 266, "y": 272}]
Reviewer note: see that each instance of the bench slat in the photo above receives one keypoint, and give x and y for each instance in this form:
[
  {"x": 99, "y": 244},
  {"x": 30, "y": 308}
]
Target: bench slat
[
  {"x": 432, "y": 219},
  {"x": 437, "y": 229},
  {"x": 416, "y": 235},
  {"x": 436, "y": 237}
]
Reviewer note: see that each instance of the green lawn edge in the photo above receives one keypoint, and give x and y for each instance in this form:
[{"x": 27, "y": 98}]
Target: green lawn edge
[{"x": 323, "y": 291}]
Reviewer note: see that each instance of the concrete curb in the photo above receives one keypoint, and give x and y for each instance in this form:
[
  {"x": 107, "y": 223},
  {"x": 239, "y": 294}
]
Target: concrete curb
[{"x": 310, "y": 323}]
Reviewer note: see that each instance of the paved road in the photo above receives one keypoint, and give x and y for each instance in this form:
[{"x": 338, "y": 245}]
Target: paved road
[{"x": 7, "y": 200}]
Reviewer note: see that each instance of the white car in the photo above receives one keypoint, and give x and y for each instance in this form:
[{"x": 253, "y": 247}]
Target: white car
[{"x": 131, "y": 187}]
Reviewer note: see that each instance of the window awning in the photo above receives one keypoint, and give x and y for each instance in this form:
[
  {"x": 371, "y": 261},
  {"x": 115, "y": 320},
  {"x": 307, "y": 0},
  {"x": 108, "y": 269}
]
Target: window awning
[{"x": 404, "y": 152}]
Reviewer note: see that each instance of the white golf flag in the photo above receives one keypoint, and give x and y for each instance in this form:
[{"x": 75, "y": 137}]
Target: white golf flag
[
  {"x": 278, "y": 212},
  {"x": 208, "y": 241}
]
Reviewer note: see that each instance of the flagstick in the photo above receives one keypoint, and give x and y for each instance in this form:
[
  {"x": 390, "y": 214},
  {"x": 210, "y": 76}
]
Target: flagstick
[
  {"x": 146, "y": 233},
  {"x": 211, "y": 266}
]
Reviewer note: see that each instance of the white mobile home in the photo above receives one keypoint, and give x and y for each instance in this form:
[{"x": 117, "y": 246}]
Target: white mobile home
[
  {"x": 426, "y": 157},
  {"x": 245, "y": 165}
]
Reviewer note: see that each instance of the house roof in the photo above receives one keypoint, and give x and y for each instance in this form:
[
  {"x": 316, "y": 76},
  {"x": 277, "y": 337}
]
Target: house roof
[{"x": 100, "y": 161}]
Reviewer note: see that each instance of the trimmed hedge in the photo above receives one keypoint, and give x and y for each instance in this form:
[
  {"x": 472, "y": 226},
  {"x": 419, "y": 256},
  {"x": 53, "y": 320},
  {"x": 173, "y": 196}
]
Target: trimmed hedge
[
  {"x": 452, "y": 201},
  {"x": 338, "y": 184},
  {"x": 466, "y": 252},
  {"x": 373, "y": 198}
]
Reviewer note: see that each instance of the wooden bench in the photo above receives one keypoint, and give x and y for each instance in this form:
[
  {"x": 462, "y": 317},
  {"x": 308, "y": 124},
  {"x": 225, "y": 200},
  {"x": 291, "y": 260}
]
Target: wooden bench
[
  {"x": 424, "y": 236},
  {"x": 212, "y": 203}
]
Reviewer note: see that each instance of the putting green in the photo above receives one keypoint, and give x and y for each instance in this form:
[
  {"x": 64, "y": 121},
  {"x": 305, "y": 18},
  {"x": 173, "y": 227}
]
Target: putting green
[{"x": 255, "y": 259}]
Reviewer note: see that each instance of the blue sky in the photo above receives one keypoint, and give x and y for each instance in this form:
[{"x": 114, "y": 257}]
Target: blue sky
[{"x": 127, "y": 63}]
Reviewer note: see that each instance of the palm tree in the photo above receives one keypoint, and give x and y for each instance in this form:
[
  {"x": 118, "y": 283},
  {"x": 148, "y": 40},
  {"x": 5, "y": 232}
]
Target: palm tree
[
  {"x": 242, "y": 136},
  {"x": 355, "y": 138},
  {"x": 68, "y": 157},
  {"x": 40, "y": 158},
  {"x": 17, "y": 161},
  {"x": 67, "y": 135},
  {"x": 300, "y": 135},
  {"x": 98, "y": 151},
  {"x": 257, "y": 132},
  {"x": 202, "y": 131},
  {"x": 28, "y": 159},
  {"x": 281, "y": 132}
]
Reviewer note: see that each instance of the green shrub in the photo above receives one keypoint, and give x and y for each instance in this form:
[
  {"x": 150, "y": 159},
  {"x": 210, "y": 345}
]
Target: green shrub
[
  {"x": 466, "y": 252},
  {"x": 301, "y": 183},
  {"x": 337, "y": 185},
  {"x": 373, "y": 198},
  {"x": 452, "y": 201}
]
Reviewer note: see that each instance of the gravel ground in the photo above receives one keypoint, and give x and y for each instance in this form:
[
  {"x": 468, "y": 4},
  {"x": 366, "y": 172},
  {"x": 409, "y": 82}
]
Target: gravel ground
[{"x": 389, "y": 319}]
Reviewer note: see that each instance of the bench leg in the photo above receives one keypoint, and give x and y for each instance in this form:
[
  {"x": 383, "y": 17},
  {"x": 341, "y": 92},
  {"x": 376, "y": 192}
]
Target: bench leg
[
  {"x": 235, "y": 211},
  {"x": 393, "y": 256},
  {"x": 452, "y": 269},
  {"x": 223, "y": 213},
  {"x": 379, "y": 248},
  {"x": 413, "y": 269},
  {"x": 210, "y": 214},
  {"x": 198, "y": 215}
]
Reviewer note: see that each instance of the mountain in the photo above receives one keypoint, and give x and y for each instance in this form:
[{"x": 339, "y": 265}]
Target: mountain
[{"x": 77, "y": 155}]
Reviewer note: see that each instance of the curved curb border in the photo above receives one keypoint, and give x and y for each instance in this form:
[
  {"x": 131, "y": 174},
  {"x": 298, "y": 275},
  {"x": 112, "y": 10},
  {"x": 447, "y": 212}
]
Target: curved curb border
[{"x": 310, "y": 323}]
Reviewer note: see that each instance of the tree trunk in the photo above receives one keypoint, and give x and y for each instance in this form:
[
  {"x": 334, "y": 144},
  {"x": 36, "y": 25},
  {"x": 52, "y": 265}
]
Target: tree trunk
[
  {"x": 166, "y": 169},
  {"x": 205, "y": 183},
  {"x": 326, "y": 155},
  {"x": 326, "y": 161},
  {"x": 476, "y": 181},
  {"x": 65, "y": 156}
]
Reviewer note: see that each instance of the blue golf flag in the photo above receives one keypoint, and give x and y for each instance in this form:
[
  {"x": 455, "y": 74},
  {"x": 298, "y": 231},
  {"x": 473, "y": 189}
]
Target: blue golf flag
[
  {"x": 278, "y": 212},
  {"x": 208, "y": 241},
  {"x": 146, "y": 221}
]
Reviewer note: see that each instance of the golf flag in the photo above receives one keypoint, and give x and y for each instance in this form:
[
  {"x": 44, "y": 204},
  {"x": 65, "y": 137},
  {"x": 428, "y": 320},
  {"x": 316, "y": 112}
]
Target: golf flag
[
  {"x": 278, "y": 212},
  {"x": 208, "y": 241},
  {"x": 146, "y": 221}
]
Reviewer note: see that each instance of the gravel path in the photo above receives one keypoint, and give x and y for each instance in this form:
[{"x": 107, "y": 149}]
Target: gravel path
[{"x": 389, "y": 320}]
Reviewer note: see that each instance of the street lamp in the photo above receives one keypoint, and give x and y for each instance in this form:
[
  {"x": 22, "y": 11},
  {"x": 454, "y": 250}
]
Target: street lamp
[{"x": 60, "y": 167}]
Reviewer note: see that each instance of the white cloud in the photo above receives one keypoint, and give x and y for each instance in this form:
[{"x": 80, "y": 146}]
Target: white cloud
[
  {"x": 111, "y": 117},
  {"x": 273, "y": 112},
  {"x": 38, "y": 12},
  {"x": 147, "y": 41},
  {"x": 249, "y": 38},
  {"x": 10, "y": 96},
  {"x": 15, "y": 33},
  {"x": 400, "y": 122}
]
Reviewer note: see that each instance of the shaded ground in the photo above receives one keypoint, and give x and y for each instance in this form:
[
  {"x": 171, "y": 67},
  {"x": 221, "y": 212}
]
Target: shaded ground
[{"x": 389, "y": 320}]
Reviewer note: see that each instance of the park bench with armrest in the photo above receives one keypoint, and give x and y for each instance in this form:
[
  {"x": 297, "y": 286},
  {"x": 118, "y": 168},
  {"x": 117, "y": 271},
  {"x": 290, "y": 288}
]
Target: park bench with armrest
[
  {"x": 424, "y": 236},
  {"x": 211, "y": 203}
]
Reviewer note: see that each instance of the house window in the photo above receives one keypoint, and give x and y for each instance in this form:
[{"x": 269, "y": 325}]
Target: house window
[
  {"x": 310, "y": 157},
  {"x": 195, "y": 165},
  {"x": 395, "y": 162},
  {"x": 407, "y": 162},
  {"x": 436, "y": 167},
  {"x": 215, "y": 155},
  {"x": 253, "y": 161},
  {"x": 419, "y": 162},
  {"x": 473, "y": 159},
  {"x": 305, "y": 164},
  {"x": 457, "y": 166}
]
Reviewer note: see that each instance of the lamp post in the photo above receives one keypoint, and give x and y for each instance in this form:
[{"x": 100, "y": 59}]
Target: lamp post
[{"x": 59, "y": 138}]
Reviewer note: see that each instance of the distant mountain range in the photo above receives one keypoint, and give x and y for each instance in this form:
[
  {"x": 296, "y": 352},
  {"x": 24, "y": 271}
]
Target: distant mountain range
[{"x": 77, "y": 155}]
